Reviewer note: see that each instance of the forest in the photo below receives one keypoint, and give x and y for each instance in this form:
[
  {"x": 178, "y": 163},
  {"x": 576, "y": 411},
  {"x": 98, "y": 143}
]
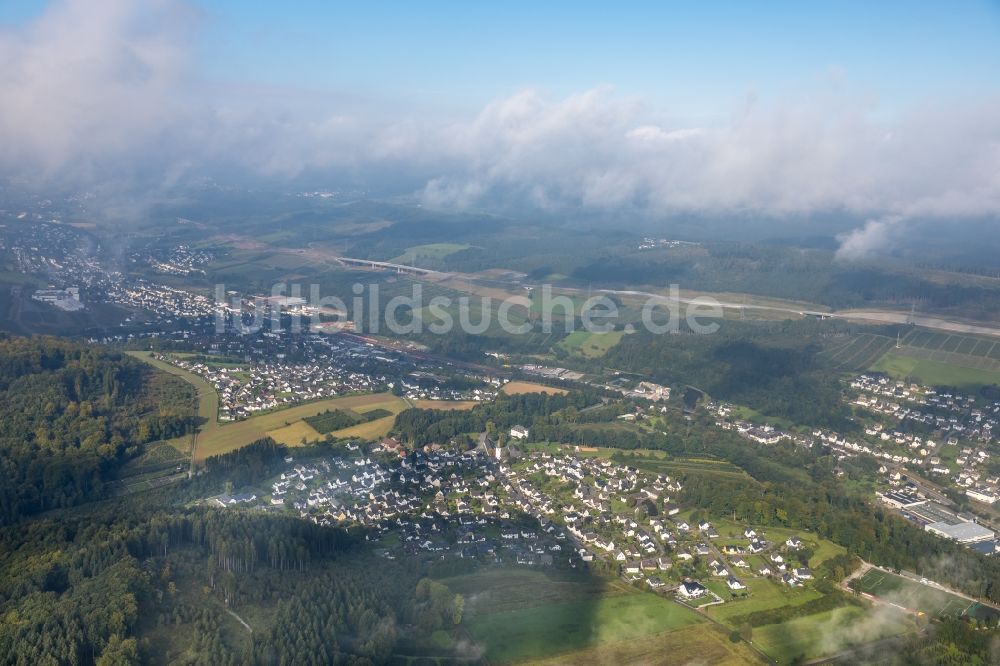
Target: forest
[
  {"x": 130, "y": 582},
  {"x": 802, "y": 274},
  {"x": 773, "y": 367},
  {"x": 73, "y": 414}
]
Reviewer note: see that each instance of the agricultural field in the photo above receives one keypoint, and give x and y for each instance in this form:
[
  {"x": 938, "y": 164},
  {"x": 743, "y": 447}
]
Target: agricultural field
[
  {"x": 591, "y": 345},
  {"x": 922, "y": 355},
  {"x": 518, "y": 387},
  {"x": 673, "y": 466},
  {"x": 859, "y": 352},
  {"x": 692, "y": 644},
  {"x": 913, "y": 595},
  {"x": 949, "y": 359},
  {"x": 285, "y": 425},
  {"x": 904, "y": 364},
  {"x": 434, "y": 252},
  {"x": 446, "y": 405},
  {"x": 293, "y": 434},
  {"x": 274, "y": 423},
  {"x": 516, "y": 616},
  {"x": 826, "y": 633},
  {"x": 340, "y": 419},
  {"x": 370, "y": 430}
]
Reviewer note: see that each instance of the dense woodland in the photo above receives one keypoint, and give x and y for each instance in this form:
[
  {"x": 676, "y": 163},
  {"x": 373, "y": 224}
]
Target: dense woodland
[
  {"x": 72, "y": 414},
  {"x": 135, "y": 581},
  {"x": 773, "y": 367}
]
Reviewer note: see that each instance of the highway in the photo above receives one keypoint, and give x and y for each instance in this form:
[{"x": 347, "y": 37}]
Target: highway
[{"x": 871, "y": 316}]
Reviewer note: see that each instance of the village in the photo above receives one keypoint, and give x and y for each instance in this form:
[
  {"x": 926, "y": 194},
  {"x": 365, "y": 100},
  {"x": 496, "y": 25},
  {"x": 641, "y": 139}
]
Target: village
[
  {"x": 179, "y": 260},
  {"x": 252, "y": 374},
  {"x": 518, "y": 505},
  {"x": 944, "y": 434}
]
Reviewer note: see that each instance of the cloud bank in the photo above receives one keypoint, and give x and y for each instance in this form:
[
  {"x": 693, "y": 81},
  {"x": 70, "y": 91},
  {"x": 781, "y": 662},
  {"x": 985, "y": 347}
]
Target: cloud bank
[{"x": 107, "y": 91}]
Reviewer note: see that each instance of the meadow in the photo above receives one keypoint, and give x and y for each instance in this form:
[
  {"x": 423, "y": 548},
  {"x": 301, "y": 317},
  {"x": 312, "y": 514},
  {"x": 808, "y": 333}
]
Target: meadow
[
  {"x": 517, "y": 616},
  {"x": 591, "y": 345},
  {"x": 826, "y": 633},
  {"x": 435, "y": 252},
  {"x": 231, "y": 436},
  {"x": 692, "y": 644},
  {"x": 904, "y": 364},
  {"x": 762, "y": 594},
  {"x": 943, "y": 359}
]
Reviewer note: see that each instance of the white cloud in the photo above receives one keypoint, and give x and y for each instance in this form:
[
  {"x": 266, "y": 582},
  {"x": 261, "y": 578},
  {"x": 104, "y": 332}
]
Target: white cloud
[
  {"x": 92, "y": 82},
  {"x": 97, "y": 91},
  {"x": 873, "y": 238},
  {"x": 655, "y": 134}
]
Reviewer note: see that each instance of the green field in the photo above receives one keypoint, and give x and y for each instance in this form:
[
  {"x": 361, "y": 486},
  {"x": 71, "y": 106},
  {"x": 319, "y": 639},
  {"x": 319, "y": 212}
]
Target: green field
[
  {"x": 921, "y": 355},
  {"x": 574, "y": 625},
  {"x": 519, "y": 615},
  {"x": 591, "y": 345},
  {"x": 952, "y": 359},
  {"x": 912, "y": 595},
  {"x": 827, "y": 633},
  {"x": 673, "y": 466},
  {"x": 763, "y": 594},
  {"x": 903, "y": 364},
  {"x": 432, "y": 251},
  {"x": 691, "y": 644}
]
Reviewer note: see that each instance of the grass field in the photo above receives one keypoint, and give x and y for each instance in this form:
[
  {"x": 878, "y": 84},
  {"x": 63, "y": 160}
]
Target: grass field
[
  {"x": 922, "y": 355},
  {"x": 693, "y": 644},
  {"x": 553, "y": 628},
  {"x": 433, "y": 251},
  {"x": 591, "y": 345},
  {"x": 912, "y": 595},
  {"x": 764, "y": 594},
  {"x": 940, "y": 358},
  {"x": 904, "y": 364},
  {"x": 517, "y": 615},
  {"x": 827, "y": 633},
  {"x": 517, "y": 387}
]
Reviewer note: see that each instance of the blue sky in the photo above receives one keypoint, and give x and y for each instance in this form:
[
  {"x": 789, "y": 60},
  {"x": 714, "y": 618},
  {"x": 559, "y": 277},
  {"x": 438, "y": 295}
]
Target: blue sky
[
  {"x": 887, "y": 110},
  {"x": 696, "y": 57}
]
